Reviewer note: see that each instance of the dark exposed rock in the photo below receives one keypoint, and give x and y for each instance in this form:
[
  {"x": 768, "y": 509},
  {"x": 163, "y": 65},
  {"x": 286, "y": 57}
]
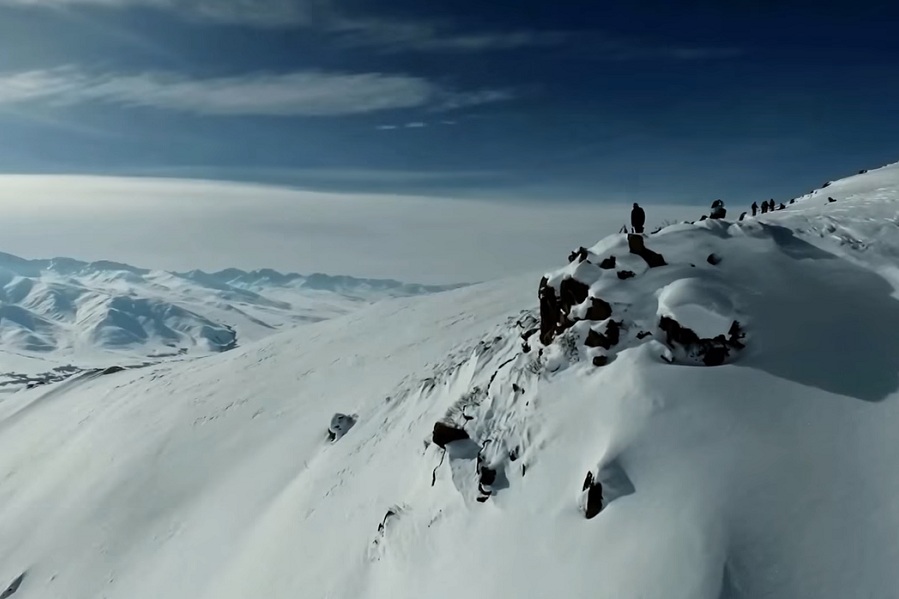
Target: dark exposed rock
[
  {"x": 387, "y": 516},
  {"x": 571, "y": 293},
  {"x": 643, "y": 334},
  {"x": 594, "y": 339},
  {"x": 340, "y": 424},
  {"x": 13, "y": 587},
  {"x": 831, "y": 200},
  {"x": 793, "y": 201},
  {"x": 712, "y": 352},
  {"x": 444, "y": 433},
  {"x": 827, "y": 184},
  {"x": 782, "y": 206},
  {"x": 549, "y": 311},
  {"x": 613, "y": 332},
  {"x": 113, "y": 370},
  {"x": 626, "y": 274},
  {"x": 600, "y": 361},
  {"x": 742, "y": 215},
  {"x": 714, "y": 259},
  {"x": 599, "y": 309},
  {"x": 637, "y": 245},
  {"x": 594, "y": 496},
  {"x": 863, "y": 171},
  {"x": 580, "y": 255},
  {"x": 608, "y": 263},
  {"x": 486, "y": 478},
  {"x": 703, "y": 217}
]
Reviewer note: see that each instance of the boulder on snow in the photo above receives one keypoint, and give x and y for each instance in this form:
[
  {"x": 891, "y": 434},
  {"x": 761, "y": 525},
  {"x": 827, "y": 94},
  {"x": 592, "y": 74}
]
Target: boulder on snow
[
  {"x": 600, "y": 361},
  {"x": 340, "y": 424},
  {"x": 113, "y": 370},
  {"x": 713, "y": 259},
  {"x": 793, "y": 201},
  {"x": 863, "y": 171},
  {"x": 13, "y": 587},
  {"x": 637, "y": 245},
  {"x": 643, "y": 334},
  {"x": 580, "y": 255},
  {"x": 599, "y": 309},
  {"x": 444, "y": 434},
  {"x": 571, "y": 293},
  {"x": 831, "y": 200},
  {"x": 593, "y": 489},
  {"x": 626, "y": 274},
  {"x": 608, "y": 263},
  {"x": 782, "y": 206}
]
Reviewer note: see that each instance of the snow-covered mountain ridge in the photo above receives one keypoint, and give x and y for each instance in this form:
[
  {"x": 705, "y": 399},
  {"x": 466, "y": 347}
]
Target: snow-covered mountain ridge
[
  {"x": 596, "y": 454},
  {"x": 62, "y": 309}
]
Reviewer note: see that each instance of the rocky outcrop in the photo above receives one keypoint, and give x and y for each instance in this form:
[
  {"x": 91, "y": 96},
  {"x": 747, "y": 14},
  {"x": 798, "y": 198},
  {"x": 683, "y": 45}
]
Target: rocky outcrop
[
  {"x": 445, "y": 433},
  {"x": 556, "y": 310},
  {"x": 713, "y": 259},
  {"x": 608, "y": 263},
  {"x": 637, "y": 245},
  {"x": 593, "y": 505},
  {"x": 580, "y": 255},
  {"x": 626, "y": 274},
  {"x": 549, "y": 311},
  {"x": 711, "y": 352}
]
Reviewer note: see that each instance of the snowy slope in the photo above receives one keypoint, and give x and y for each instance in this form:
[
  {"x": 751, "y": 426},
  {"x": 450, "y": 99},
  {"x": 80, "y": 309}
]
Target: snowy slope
[
  {"x": 56, "y": 311},
  {"x": 772, "y": 475}
]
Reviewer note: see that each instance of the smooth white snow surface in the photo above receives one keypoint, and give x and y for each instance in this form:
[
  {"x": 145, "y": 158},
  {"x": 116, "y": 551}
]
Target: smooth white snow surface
[{"x": 773, "y": 476}]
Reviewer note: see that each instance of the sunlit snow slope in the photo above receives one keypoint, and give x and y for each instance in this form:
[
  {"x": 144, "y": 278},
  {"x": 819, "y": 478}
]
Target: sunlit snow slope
[{"x": 772, "y": 475}]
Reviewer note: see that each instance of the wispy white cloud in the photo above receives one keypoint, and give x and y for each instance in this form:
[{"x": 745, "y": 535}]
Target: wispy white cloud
[
  {"x": 389, "y": 35},
  {"x": 260, "y": 13},
  {"x": 305, "y": 93},
  {"x": 416, "y": 125}
]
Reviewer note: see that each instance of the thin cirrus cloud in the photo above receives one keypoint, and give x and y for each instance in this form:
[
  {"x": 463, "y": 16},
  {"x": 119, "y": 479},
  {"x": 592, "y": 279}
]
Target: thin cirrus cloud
[
  {"x": 303, "y": 93},
  {"x": 258, "y": 13}
]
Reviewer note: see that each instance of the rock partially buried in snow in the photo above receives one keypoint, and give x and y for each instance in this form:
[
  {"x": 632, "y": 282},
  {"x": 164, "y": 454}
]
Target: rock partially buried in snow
[
  {"x": 637, "y": 245},
  {"x": 13, "y": 587},
  {"x": 608, "y": 263},
  {"x": 340, "y": 424},
  {"x": 444, "y": 434},
  {"x": 593, "y": 503}
]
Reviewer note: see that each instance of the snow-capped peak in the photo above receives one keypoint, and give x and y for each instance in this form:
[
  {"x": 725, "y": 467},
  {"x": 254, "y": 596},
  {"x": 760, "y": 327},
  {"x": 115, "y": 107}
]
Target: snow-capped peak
[{"x": 617, "y": 437}]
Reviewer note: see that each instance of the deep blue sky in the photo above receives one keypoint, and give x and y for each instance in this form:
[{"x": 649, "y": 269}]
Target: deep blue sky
[{"x": 651, "y": 100}]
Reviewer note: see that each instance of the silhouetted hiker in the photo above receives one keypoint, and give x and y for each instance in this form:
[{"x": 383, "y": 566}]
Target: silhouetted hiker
[
  {"x": 718, "y": 210},
  {"x": 771, "y": 205},
  {"x": 764, "y": 207},
  {"x": 638, "y": 218},
  {"x": 755, "y": 209}
]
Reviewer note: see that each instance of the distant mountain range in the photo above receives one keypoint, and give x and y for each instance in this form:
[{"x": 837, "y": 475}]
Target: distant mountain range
[{"x": 66, "y": 307}]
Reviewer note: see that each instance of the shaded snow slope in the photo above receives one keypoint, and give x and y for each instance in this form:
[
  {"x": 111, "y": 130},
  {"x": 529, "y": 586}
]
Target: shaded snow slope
[
  {"x": 772, "y": 475},
  {"x": 63, "y": 309}
]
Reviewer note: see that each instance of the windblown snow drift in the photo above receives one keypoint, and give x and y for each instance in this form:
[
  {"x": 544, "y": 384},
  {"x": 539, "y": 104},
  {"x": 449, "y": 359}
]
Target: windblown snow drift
[{"x": 722, "y": 426}]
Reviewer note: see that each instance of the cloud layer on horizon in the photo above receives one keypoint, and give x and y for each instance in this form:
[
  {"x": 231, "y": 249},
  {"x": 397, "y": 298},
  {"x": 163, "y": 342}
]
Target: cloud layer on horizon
[{"x": 185, "y": 224}]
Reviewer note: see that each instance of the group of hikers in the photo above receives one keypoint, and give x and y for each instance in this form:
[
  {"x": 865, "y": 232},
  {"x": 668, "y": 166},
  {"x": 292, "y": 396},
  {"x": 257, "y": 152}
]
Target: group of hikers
[{"x": 638, "y": 215}]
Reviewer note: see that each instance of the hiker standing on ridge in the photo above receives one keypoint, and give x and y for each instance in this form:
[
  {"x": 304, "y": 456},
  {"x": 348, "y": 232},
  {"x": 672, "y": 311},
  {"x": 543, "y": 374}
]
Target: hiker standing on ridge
[
  {"x": 755, "y": 209},
  {"x": 638, "y": 219},
  {"x": 764, "y": 207}
]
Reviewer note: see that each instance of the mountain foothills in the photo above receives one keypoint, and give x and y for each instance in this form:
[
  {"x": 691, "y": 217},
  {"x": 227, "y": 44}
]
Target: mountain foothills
[
  {"x": 64, "y": 310},
  {"x": 706, "y": 412}
]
